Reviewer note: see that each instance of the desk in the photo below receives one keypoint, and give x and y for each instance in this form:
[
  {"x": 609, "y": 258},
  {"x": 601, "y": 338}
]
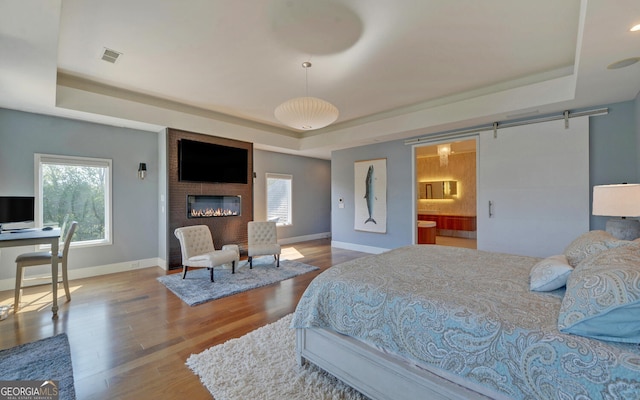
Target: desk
[{"x": 28, "y": 237}]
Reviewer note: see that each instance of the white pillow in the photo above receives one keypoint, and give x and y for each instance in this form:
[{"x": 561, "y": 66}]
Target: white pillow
[{"x": 550, "y": 274}]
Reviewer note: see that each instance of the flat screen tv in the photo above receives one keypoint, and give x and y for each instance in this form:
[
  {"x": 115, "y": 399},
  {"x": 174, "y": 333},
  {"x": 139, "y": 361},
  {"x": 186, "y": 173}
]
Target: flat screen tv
[
  {"x": 214, "y": 163},
  {"x": 16, "y": 209}
]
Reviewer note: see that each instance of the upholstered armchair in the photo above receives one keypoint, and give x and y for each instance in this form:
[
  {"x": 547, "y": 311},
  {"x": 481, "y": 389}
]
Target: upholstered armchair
[
  {"x": 263, "y": 241},
  {"x": 196, "y": 245}
]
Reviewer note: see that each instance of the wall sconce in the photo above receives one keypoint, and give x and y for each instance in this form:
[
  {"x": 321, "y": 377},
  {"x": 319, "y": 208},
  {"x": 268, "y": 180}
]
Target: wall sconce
[{"x": 142, "y": 170}]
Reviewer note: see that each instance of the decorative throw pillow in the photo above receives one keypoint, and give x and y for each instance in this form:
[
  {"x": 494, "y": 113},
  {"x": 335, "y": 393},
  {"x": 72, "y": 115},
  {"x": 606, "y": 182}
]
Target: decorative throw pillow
[
  {"x": 602, "y": 299},
  {"x": 590, "y": 243},
  {"x": 550, "y": 274}
]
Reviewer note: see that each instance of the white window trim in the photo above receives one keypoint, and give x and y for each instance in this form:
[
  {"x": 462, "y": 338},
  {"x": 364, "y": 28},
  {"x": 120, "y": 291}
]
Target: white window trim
[
  {"x": 266, "y": 189},
  {"x": 77, "y": 161}
]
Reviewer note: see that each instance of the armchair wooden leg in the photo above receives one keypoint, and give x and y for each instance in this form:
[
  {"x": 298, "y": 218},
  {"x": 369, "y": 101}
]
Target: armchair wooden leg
[
  {"x": 277, "y": 256},
  {"x": 211, "y": 269},
  {"x": 233, "y": 267},
  {"x": 250, "y": 262},
  {"x": 184, "y": 271}
]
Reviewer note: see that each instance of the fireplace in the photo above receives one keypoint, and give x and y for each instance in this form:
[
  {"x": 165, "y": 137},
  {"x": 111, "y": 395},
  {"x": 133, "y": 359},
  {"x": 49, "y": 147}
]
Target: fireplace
[{"x": 203, "y": 206}]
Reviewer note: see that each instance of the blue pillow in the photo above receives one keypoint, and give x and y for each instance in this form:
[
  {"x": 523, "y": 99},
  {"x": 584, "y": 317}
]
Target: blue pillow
[{"x": 602, "y": 299}]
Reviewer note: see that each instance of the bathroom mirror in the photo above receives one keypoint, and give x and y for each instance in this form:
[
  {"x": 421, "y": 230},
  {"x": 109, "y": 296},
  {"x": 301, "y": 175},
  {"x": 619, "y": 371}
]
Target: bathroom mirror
[{"x": 437, "y": 189}]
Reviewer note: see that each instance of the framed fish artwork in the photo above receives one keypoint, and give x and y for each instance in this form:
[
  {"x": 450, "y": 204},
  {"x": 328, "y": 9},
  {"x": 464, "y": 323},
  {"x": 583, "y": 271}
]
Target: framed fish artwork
[{"x": 370, "y": 195}]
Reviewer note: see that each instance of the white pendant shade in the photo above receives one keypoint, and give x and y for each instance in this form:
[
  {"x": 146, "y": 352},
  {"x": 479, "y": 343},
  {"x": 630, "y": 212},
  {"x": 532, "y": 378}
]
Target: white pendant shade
[{"x": 306, "y": 113}]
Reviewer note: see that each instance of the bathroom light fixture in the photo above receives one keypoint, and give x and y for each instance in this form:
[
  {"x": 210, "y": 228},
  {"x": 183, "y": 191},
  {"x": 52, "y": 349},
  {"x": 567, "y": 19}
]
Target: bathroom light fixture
[
  {"x": 306, "y": 113},
  {"x": 621, "y": 201},
  {"x": 142, "y": 170},
  {"x": 444, "y": 150}
]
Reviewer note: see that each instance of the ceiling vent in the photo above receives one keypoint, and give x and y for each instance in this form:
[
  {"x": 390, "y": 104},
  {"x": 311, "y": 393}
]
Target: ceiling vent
[{"x": 110, "y": 55}]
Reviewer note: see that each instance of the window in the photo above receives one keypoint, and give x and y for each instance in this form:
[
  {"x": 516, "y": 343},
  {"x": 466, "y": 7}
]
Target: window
[
  {"x": 78, "y": 189},
  {"x": 279, "y": 198}
]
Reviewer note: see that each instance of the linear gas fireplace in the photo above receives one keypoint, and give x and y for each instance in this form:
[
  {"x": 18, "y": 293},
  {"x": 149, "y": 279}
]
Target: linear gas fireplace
[{"x": 203, "y": 206}]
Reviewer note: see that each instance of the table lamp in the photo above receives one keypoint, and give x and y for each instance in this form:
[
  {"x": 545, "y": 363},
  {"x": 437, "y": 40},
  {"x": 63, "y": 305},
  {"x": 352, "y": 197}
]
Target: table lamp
[{"x": 621, "y": 201}]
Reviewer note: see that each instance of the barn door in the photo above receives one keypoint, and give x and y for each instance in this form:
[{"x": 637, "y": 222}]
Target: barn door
[{"x": 533, "y": 187}]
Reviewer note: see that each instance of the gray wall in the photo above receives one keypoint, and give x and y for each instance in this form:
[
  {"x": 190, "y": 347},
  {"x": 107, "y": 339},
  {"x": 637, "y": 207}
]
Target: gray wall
[
  {"x": 637, "y": 111},
  {"x": 135, "y": 202},
  {"x": 139, "y": 221},
  {"x": 162, "y": 198},
  {"x": 613, "y": 150},
  {"x": 139, "y": 207},
  {"x": 399, "y": 199},
  {"x": 614, "y": 157},
  {"x": 311, "y": 185}
]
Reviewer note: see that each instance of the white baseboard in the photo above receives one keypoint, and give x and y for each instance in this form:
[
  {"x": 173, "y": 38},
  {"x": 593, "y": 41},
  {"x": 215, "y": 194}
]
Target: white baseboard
[
  {"x": 9, "y": 284},
  {"x": 358, "y": 247},
  {"x": 112, "y": 268},
  {"x": 305, "y": 238}
]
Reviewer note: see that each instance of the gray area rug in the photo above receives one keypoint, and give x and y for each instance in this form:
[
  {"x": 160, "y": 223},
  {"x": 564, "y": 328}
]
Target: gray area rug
[
  {"x": 42, "y": 360},
  {"x": 262, "y": 365},
  {"x": 197, "y": 287}
]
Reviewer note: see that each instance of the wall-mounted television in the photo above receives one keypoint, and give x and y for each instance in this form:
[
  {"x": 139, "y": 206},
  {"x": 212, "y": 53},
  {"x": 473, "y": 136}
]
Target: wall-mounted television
[
  {"x": 214, "y": 163},
  {"x": 16, "y": 209}
]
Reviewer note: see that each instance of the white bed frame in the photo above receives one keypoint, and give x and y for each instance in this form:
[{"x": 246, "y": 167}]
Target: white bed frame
[{"x": 372, "y": 372}]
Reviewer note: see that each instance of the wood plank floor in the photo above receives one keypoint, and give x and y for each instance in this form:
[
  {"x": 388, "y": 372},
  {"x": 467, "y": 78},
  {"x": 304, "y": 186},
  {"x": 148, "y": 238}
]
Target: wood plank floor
[{"x": 130, "y": 336}]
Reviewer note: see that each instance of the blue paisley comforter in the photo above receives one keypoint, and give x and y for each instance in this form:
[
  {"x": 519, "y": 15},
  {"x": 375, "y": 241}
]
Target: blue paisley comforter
[{"x": 470, "y": 313}]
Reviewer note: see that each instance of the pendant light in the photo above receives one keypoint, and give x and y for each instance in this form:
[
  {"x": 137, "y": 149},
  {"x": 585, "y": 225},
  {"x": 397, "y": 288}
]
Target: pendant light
[
  {"x": 444, "y": 151},
  {"x": 306, "y": 113}
]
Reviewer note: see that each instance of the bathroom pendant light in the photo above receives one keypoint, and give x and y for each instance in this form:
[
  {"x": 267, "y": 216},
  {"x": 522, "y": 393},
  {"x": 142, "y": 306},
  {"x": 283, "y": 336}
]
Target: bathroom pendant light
[
  {"x": 306, "y": 113},
  {"x": 444, "y": 150}
]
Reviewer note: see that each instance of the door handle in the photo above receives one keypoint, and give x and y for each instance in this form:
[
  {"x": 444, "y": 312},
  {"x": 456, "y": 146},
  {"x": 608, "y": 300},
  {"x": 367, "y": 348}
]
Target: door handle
[{"x": 490, "y": 210}]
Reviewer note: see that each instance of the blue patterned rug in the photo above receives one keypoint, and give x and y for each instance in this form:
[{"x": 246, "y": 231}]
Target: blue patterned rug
[
  {"x": 197, "y": 288},
  {"x": 43, "y": 360}
]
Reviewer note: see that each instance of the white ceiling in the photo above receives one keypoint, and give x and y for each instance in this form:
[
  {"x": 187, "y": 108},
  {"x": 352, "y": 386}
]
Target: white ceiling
[{"x": 394, "y": 68}]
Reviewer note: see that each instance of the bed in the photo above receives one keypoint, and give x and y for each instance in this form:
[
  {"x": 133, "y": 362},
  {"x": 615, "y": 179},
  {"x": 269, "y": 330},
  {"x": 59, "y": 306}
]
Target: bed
[{"x": 437, "y": 322}]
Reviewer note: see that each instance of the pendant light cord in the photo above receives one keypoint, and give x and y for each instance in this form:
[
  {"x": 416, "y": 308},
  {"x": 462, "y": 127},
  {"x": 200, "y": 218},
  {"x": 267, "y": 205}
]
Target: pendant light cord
[{"x": 306, "y": 65}]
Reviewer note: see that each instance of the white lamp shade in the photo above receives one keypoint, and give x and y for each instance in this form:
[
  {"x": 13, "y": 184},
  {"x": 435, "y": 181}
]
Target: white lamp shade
[
  {"x": 306, "y": 113},
  {"x": 617, "y": 200}
]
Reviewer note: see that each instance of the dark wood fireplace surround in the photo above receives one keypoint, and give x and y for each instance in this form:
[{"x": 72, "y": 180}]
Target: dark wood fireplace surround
[{"x": 225, "y": 230}]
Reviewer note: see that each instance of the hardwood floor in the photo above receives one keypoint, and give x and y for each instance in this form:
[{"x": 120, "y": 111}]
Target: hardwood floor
[
  {"x": 130, "y": 336},
  {"x": 456, "y": 242}
]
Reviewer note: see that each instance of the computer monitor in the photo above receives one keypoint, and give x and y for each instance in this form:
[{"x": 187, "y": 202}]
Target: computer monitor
[{"x": 16, "y": 209}]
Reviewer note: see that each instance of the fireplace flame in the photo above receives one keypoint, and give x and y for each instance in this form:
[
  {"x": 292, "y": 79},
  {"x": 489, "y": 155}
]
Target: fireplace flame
[{"x": 212, "y": 212}]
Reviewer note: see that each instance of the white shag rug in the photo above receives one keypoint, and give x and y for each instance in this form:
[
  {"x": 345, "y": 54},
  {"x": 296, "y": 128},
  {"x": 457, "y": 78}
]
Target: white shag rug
[{"x": 262, "y": 365}]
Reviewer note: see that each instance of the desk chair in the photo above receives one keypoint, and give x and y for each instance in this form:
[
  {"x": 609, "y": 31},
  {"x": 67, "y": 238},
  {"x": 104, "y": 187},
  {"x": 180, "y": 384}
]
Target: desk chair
[{"x": 42, "y": 258}]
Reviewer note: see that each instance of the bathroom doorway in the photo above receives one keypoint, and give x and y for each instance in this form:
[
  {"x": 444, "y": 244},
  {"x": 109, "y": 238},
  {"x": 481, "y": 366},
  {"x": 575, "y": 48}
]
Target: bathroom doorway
[{"x": 446, "y": 203}]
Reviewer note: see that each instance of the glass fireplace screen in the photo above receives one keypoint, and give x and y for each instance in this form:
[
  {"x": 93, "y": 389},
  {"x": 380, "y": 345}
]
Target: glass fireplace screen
[{"x": 203, "y": 206}]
